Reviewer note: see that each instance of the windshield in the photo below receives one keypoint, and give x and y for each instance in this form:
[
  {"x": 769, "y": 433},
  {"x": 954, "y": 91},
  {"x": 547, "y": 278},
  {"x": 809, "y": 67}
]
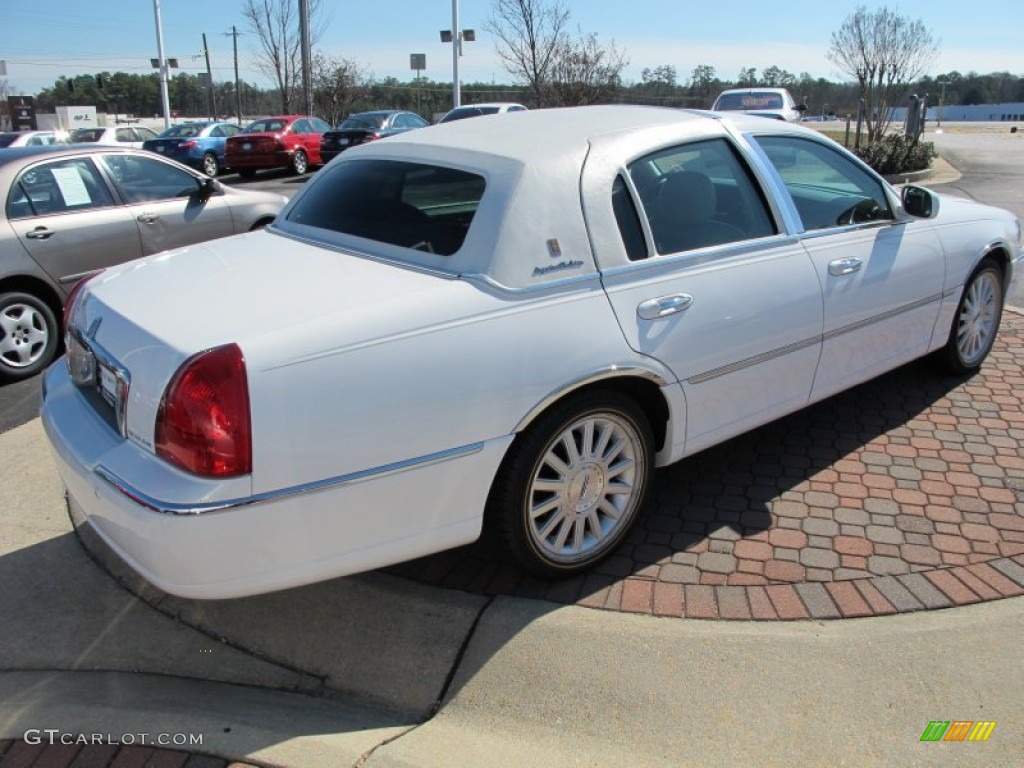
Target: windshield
[
  {"x": 464, "y": 112},
  {"x": 423, "y": 207},
  {"x": 750, "y": 100},
  {"x": 363, "y": 123}
]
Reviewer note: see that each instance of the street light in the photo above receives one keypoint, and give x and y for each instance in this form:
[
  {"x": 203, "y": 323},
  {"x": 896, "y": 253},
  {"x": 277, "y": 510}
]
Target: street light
[
  {"x": 164, "y": 97},
  {"x": 942, "y": 96},
  {"x": 448, "y": 36}
]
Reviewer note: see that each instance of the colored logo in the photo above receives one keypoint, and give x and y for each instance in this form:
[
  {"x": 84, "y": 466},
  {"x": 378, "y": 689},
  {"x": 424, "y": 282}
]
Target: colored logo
[{"x": 958, "y": 730}]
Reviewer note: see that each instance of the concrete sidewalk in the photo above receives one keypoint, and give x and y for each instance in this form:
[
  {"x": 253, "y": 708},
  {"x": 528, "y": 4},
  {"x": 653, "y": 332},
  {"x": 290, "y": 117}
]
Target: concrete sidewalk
[{"x": 350, "y": 672}]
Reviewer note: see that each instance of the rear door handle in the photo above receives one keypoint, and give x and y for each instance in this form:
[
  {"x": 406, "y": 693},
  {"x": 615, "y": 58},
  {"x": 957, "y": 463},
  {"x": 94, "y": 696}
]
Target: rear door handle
[
  {"x": 148, "y": 218},
  {"x": 40, "y": 233},
  {"x": 841, "y": 267},
  {"x": 663, "y": 306}
]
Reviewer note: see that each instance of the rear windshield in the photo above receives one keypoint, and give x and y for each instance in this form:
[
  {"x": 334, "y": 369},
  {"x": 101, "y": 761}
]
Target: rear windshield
[
  {"x": 413, "y": 205},
  {"x": 181, "y": 132},
  {"x": 86, "y": 134},
  {"x": 363, "y": 123},
  {"x": 266, "y": 126},
  {"x": 753, "y": 100},
  {"x": 464, "y": 112},
  {"x": 7, "y": 138}
]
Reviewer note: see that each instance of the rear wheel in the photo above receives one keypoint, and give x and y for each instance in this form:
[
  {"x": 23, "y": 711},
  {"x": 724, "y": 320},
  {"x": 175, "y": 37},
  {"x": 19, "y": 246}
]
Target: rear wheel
[
  {"x": 29, "y": 336},
  {"x": 300, "y": 163},
  {"x": 976, "y": 321},
  {"x": 572, "y": 484},
  {"x": 210, "y": 165}
]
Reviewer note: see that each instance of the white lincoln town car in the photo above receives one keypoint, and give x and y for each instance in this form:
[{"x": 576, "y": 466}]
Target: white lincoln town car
[{"x": 506, "y": 322}]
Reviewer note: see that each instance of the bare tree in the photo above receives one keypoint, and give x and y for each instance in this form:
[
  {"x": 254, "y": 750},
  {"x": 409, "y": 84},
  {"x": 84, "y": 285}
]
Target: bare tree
[
  {"x": 529, "y": 35},
  {"x": 585, "y": 72},
  {"x": 337, "y": 85},
  {"x": 885, "y": 52},
  {"x": 276, "y": 24}
]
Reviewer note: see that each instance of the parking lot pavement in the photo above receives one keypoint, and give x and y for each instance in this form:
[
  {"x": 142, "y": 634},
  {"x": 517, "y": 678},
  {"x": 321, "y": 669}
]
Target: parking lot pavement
[{"x": 903, "y": 494}]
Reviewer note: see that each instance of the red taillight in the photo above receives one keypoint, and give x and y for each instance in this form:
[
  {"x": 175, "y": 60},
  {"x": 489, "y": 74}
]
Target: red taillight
[
  {"x": 186, "y": 145},
  {"x": 69, "y": 305},
  {"x": 371, "y": 136},
  {"x": 204, "y": 424}
]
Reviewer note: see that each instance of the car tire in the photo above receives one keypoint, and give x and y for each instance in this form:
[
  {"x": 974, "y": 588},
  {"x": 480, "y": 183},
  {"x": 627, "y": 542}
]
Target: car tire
[
  {"x": 572, "y": 484},
  {"x": 300, "y": 163},
  {"x": 29, "y": 336},
  {"x": 976, "y": 322},
  {"x": 211, "y": 167},
  {"x": 246, "y": 173}
]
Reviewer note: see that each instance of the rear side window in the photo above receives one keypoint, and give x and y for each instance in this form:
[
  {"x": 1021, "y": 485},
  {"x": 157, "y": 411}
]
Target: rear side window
[
  {"x": 64, "y": 186},
  {"x": 698, "y": 195},
  {"x": 413, "y": 205}
]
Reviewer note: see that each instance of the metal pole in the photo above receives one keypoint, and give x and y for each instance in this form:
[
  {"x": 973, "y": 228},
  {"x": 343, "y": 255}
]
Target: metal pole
[
  {"x": 456, "y": 51},
  {"x": 238, "y": 89},
  {"x": 942, "y": 97},
  {"x": 209, "y": 81},
  {"x": 307, "y": 66},
  {"x": 164, "y": 96}
]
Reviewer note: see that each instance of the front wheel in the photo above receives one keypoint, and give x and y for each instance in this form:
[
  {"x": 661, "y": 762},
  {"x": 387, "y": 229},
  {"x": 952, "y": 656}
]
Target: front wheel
[
  {"x": 572, "y": 484},
  {"x": 210, "y": 165},
  {"x": 300, "y": 163},
  {"x": 976, "y": 321},
  {"x": 29, "y": 336}
]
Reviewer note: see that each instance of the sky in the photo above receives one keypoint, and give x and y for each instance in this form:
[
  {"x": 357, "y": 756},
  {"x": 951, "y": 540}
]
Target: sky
[{"x": 42, "y": 41}]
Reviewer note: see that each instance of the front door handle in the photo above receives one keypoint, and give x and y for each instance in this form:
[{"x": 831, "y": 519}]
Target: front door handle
[
  {"x": 40, "y": 233},
  {"x": 841, "y": 267},
  {"x": 663, "y": 306},
  {"x": 148, "y": 218}
]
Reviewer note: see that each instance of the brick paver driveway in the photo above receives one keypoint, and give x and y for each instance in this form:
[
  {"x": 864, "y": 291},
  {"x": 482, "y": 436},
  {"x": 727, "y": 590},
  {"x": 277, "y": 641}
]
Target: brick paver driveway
[{"x": 902, "y": 494}]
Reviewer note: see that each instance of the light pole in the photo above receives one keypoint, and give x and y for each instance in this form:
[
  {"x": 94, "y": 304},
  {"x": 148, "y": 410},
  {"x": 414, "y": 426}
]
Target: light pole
[
  {"x": 455, "y": 36},
  {"x": 942, "y": 96},
  {"x": 164, "y": 96}
]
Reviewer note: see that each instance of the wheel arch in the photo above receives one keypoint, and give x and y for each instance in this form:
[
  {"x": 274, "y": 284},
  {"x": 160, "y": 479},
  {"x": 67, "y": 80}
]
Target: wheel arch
[
  {"x": 37, "y": 287},
  {"x": 1001, "y": 255},
  {"x": 641, "y": 385}
]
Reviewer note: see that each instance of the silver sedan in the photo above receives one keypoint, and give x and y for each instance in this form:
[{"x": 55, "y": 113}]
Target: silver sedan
[{"x": 72, "y": 211}]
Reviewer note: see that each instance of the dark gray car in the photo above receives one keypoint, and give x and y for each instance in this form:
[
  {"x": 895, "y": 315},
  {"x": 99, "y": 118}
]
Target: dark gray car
[{"x": 71, "y": 211}]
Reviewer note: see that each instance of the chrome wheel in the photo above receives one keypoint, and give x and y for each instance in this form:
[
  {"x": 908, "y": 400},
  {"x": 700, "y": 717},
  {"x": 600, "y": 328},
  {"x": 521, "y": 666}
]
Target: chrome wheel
[
  {"x": 210, "y": 165},
  {"x": 978, "y": 318},
  {"x": 584, "y": 487},
  {"x": 572, "y": 484},
  {"x": 300, "y": 163}
]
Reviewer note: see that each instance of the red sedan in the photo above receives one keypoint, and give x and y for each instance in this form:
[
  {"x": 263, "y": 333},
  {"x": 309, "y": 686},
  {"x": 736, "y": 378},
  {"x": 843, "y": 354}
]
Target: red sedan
[{"x": 283, "y": 141}]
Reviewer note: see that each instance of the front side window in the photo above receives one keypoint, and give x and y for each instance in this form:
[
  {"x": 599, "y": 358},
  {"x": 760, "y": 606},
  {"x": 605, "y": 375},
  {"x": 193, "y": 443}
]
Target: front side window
[
  {"x": 828, "y": 189},
  {"x": 699, "y": 195},
  {"x": 414, "y": 205},
  {"x": 142, "y": 180},
  {"x": 64, "y": 186},
  {"x": 125, "y": 134}
]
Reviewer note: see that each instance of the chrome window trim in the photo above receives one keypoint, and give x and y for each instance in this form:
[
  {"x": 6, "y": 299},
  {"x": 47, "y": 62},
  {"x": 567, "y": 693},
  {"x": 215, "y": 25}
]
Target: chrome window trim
[
  {"x": 204, "y": 507},
  {"x": 700, "y": 256}
]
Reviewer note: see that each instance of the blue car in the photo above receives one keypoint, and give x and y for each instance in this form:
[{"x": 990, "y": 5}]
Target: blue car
[{"x": 200, "y": 145}]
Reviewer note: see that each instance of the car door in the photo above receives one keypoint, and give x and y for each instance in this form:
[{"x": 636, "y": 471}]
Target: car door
[
  {"x": 164, "y": 200},
  {"x": 67, "y": 219},
  {"x": 882, "y": 277},
  {"x": 714, "y": 290}
]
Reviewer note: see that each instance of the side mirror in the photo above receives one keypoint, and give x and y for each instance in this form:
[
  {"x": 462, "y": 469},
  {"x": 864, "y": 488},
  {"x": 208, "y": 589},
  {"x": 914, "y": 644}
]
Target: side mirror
[
  {"x": 206, "y": 188},
  {"x": 920, "y": 202},
  {"x": 800, "y": 107}
]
